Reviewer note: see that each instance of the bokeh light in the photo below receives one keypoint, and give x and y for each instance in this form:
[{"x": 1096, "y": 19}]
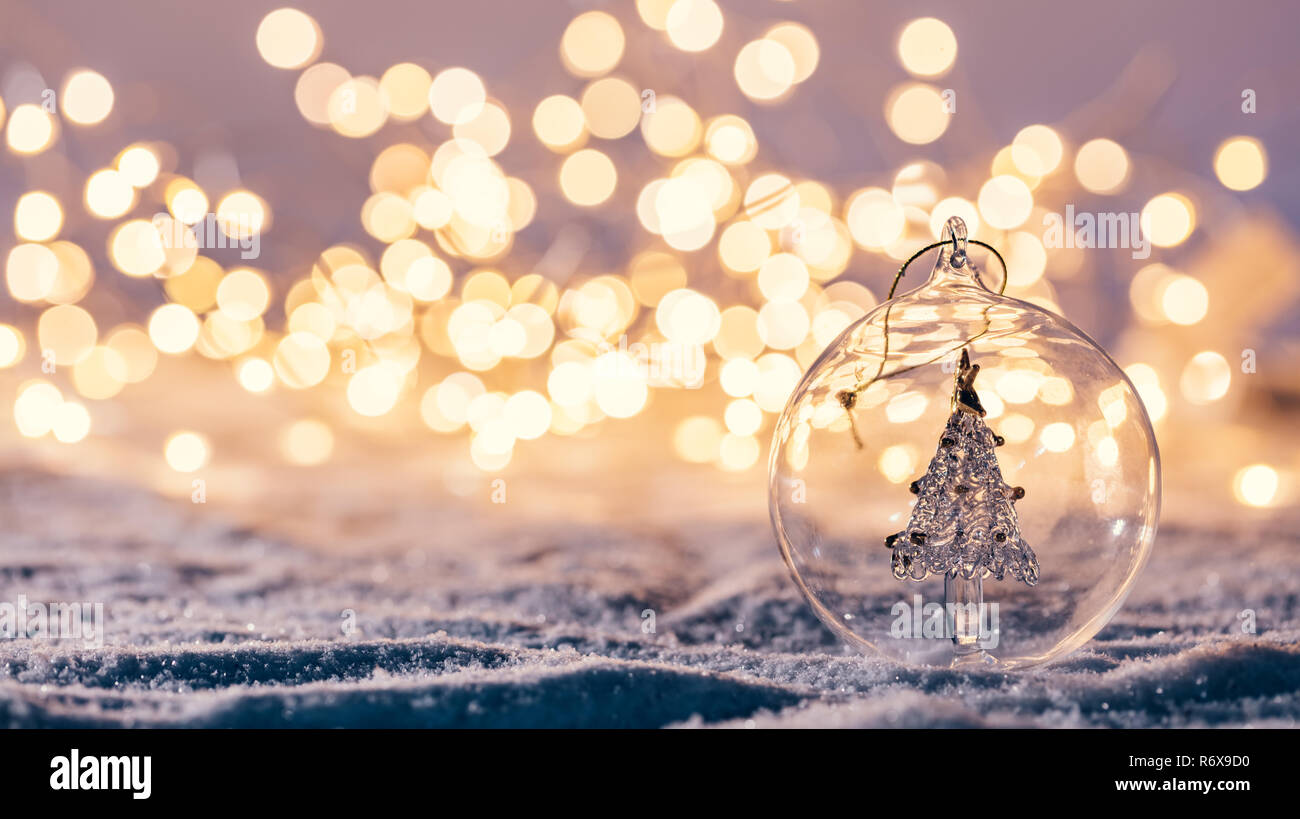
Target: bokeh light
[
  {"x": 87, "y": 97},
  {"x": 1101, "y": 166},
  {"x": 917, "y": 113},
  {"x": 1241, "y": 163},
  {"x": 187, "y": 451},
  {"x": 288, "y": 38},
  {"x": 927, "y": 47}
]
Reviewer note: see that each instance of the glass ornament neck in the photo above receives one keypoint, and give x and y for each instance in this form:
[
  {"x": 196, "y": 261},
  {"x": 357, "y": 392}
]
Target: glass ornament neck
[{"x": 954, "y": 265}]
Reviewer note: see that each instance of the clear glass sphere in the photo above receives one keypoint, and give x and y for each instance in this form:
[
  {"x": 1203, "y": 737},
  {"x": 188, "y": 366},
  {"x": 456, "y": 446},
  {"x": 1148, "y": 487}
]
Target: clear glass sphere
[{"x": 924, "y": 531}]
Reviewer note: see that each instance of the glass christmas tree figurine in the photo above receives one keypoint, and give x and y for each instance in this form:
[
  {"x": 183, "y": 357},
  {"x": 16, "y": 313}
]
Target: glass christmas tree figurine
[{"x": 964, "y": 524}]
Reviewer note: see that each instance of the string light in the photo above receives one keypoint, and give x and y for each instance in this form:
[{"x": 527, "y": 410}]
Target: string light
[{"x": 556, "y": 348}]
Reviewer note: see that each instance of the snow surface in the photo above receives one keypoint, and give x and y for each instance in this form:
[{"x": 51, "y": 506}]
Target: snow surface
[{"x": 215, "y": 623}]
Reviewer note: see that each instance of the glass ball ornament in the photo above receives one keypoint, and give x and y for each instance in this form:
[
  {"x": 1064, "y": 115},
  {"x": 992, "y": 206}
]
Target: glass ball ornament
[{"x": 964, "y": 478}]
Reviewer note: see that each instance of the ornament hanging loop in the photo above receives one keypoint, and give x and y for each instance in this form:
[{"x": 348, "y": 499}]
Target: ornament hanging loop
[
  {"x": 954, "y": 233},
  {"x": 954, "y": 230}
]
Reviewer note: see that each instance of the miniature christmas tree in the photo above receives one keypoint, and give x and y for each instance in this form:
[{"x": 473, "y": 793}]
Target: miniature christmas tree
[{"x": 964, "y": 524}]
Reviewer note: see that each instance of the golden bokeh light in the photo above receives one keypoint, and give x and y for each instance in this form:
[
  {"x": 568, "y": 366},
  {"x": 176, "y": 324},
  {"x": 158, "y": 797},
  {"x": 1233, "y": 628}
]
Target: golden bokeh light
[
  {"x": 743, "y": 417},
  {"x": 432, "y": 209},
  {"x": 173, "y": 328},
  {"x": 783, "y": 325},
  {"x": 738, "y": 452},
  {"x": 674, "y": 130},
  {"x": 528, "y": 415},
  {"x": 1168, "y": 219},
  {"x": 489, "y": 130},
  {"x": 87, "y": 97},
  {"x": 242, "y": 214},
  {"x": 592, "y": 44},
  {"x": 187, "y": 451},
  {"x": 1241, "y": 163},
  {"x": 1057, "y": 437},
  {"x": 136, "y": 248},
  {"x": 738, "y": 377},
  {"x": 288, "y": 38},
  {"x": 778, "y": 374},
  {"x": 456, "y": 96},
  {"x": 771, "y": 201},
  {"x": 1256, "y": 485},
  {"x": 31, "y": 271},
  {"x": 653, "y": 274},
  {"x": 1102, "y": 166},
  {"x": 436, "y": 297},
  {"x": 874, "y": 218},
  {"x": 30, "y": 130},
  {"x": 694, "y": 25},
  {"x": 765, "y": 70},
  {"x": 688, "y": 316},
  {"x": 799, "y": 40},
  {"x": 12, "y": 346},
  {"x": 405, "y": 86},
  {"x": 696, "y": 439},
  {"x": 927, "y": 47},
  {"x": 76, "y": 274},
  {"x": 743, "y": 247},
  {"x": 1026, "y": 259},
  {"x": 315, "y": 89},
  {"x": 67, "y": 333},
  {"x": 402, "y": 168},
  {"x": 1037, "y": 150},
  {"x": 136, "y": 354},
  {"x": 301, "y": 360},
  {"x": 654, "y": 13},
  {"x": 255, "y": 375},
  {"x": 588, "y": 177},
  {"x": 307, "y": 442},
  {"x": 559, "y": 123},
  {"x": 783, "y": 277},
  {"x": 619, "y": 386},
  {"x": 186, "y": 201},
  {"x": 1206, "y": 378},
  {"x": 1005, "y": 202},
  {"x": 1183, "y": 300},
  {"x": 917, "y": 113},
  {"x": 139, "y": 165},
  {"x": 897, "y": 462},
  {"x": 98, "y": 375},
  {"x": 35, "y": 407},
  {"x": 730, "y": 140},
  {"x": 611, "y": 107},
  {"x": 1147, "y": 383},
  {"x": 70, "y": 422},
  {"x": 243, "y": 294},
  {"x": 109, "y": 194},
  {"x": 38, "y": 217},
  {"x": 1016, "y": 428},
  {"x": 357, "y": 107},
  {"x": 196, "y": 288}
]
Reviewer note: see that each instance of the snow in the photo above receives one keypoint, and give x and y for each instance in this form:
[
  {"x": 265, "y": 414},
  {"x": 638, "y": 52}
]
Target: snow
[{"x": 499, "y": 621}]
